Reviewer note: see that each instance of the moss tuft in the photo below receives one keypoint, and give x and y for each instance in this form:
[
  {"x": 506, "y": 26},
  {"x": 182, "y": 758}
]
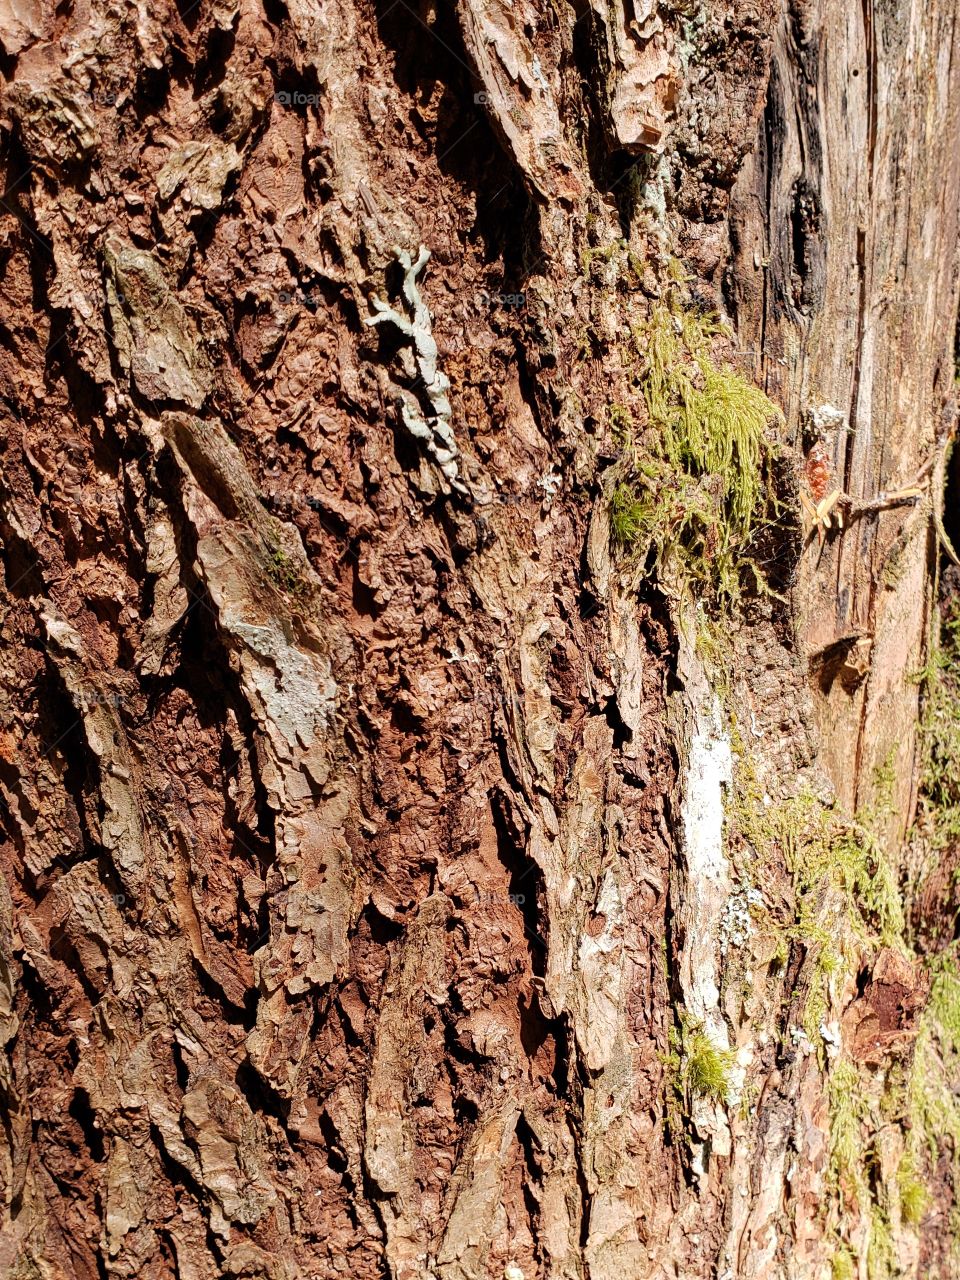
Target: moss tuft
[
  {"x": 621, "y": 423},
  {"x": 707, "y": 1067},
  {"x": 694, "y": 489},
  {"x": 940, "y": 734},
  {"x": 848, "y": 1112},
  {"x": 284, "y": 571},
  {"x": 694, "y": 1067},
  {"x": 914, "y": 1196},
  {"x": 843, "y": 1264}
]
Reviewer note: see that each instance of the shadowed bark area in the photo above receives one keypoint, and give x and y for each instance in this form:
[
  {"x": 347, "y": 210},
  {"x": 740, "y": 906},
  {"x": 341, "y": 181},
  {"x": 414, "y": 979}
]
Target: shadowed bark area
[{"x": 457, "y": 780}]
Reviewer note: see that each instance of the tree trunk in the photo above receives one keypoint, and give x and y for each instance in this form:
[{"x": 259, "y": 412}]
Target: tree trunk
[{"x": 469, "y": 806}]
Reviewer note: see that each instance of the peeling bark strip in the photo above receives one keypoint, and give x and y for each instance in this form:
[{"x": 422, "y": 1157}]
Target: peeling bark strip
[{"x": 399, "y": 877}]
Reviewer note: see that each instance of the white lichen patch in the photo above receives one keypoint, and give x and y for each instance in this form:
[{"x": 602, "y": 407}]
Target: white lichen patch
[
  {"x": 830, "y": 1034},
  {"x": 434, "y": 431},
  {"x": 826, "y": 417},
  {"x": 736, "y": 923},
  {"x": 709, "y": 773},
  {"x": 800, "y": 1040},
  {"x": 708, "y": 882}
]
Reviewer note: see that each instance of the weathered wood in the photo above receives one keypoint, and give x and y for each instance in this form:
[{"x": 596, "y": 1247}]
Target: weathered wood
[{"x": 845, "y": 284}]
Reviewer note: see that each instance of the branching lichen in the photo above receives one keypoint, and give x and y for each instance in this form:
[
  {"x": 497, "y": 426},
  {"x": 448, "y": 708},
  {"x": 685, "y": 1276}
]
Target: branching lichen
[{"x": 434, "y": 432}]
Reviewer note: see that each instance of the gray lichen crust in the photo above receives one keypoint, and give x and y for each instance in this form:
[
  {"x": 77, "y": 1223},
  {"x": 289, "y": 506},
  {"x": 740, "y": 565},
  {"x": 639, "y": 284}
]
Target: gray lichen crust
[{"x": 435, "y": 432}]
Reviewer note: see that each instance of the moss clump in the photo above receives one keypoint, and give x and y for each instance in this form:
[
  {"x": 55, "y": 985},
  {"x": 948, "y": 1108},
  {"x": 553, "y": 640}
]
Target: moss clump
[
  {"x": 932, "y": 1097},
  {"x": 881, "y": 1251},
  {"x": 824, "y": 851},
  {"x": 707, "y": 1067},
  {"x": 854, "y": 1172},
  {"x": 849, "y": 1110},
  {"x": 843, "y": 1264},
  {"x": 943, "y": 1006},
  {"x": 629, "y": 517},
  {"x": 848, "y": 857},
  {"x": 940, "y": 735},
  {"x": 914, "y": 1196},
  {"x": 693, "y": 489},
  {"x": 695, "y": 1067},
  {"x": 284, "y": 572},
  {"x": 927, "y": 1100},
  {"x": 601, "y": 253},
  {"x": 923, "y": 1100},
  {"x": 621, "y": 423}
]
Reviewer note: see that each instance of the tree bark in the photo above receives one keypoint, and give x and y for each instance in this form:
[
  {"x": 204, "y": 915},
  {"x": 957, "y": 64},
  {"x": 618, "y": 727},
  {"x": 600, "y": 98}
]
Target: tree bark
[{"x": 401, "y": 876}]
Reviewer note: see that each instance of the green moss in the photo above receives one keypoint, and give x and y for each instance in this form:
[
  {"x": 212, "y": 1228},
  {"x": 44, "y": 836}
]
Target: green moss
[
  {"x": 621, "y": 423},
  {"x": 848, "y": 1112},
  {"x": 914, "y": 1196},
  {"x": 922, "y": 1099},
  {"x": 940, "y": 734},
  {"x": 943, "y": 1006},
  {"x": 823, "y": 850},
  {"x": 921, "y": 1095},
  {"x": 881, "y": 1252},
  {"x": 928, "y": 1099},
  {"x": 629, "y": 517},
  {"x": 932, "y": 1100},
  {"x": 847, "y": 902},
  {"x": 816, "y": 1007},
  {"x": 673, "y": 1085},
  {"x": 843, "y": 1264},
  {"x": 714, "y": 647},
  {"x": 707, "y": 1067},
  {"x": 601, "y": 253},
  {"x": 697, "y": 484},
  {"x": 284, "y": 572},
  {"x": 694, "y": 1067},
  {"x": 854, "y": 1174},
  {"x": 636, "y": 265}
]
